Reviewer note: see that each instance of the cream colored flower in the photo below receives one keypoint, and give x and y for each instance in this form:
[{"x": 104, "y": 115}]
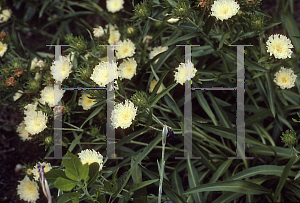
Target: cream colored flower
[
  {"x": 86, "y": 102},
  {"x": 17, "y": 95},
  {"x": 114, "y": 34},
  {"x": 40, "y": 64},
  {"x": 24, "y": 135},
  {"x": 279, "y": 46},
  {"x": 30, "y": 109},
  {"x": 91, "y": 156},
  {"x": 285, "y": 78},
  {"x": 35, "y": 122},
  {"x": 71, "y": 56},
  {"x": 28, "y": 190},
  {"x": 3, "y": 48},
  {"x": 152, "y": 86},
  {"x": 185, "y": 72},
  {"x": 100, "y": 76},
  {"x": 173, "y": 20},
  {"x": 127, "y": 69},
  {"x": 147, "y": 39},
  {"x": 98, "y": 32},
  {"x": 35, "y": 170},
  {"x": 224, "y": 9},
  {"x": 51, "y": 96},
  {"x": 114, "y": 5},
  {"x": 5, "y": 15},
  {"x": 156, "y": 51},
  {"x": 33, "y": 63},
  {"x": 127, "y": 49},
  {"x": 123, "y": 114},
  {"x": 66, "y": 68}
]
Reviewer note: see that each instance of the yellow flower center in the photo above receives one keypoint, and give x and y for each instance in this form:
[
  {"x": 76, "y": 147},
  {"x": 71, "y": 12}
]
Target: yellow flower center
[
  {"x": 1, "y": 47},
  {"x": 283, "y": 80},
  {"x": 125, "y": 51}
]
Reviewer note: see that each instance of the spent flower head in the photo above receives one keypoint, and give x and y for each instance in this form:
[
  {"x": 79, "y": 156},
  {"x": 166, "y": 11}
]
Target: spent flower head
[
  {"x": 279, "y": 46},
  {"x": 224, "y": 9},
  {"x": 285, "y": 78}
]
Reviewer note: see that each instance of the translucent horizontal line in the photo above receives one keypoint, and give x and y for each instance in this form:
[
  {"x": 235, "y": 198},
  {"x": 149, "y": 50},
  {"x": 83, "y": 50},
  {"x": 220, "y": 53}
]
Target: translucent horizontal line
[
  {"x": 83, "y": 88},
  {"x": 214, "y": 88}
]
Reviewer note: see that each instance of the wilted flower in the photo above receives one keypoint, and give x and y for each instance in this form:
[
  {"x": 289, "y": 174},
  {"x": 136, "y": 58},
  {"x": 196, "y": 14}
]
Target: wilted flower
[
  {"x": 66, "y": 68},
  {"x": 3, "y": 48},
  {"x": 35, "y": 170},
  {"x": 100, "y": 75},
  {"x": 127, "y": 69},
  {"x": 114, "y": 5},
  {"x": 23, "y": 133},
  {"x": 33, "y": 63},
  {"x": 86, "y": 102},
  {"x": 49, "y": 94},
  {"x": 156, "y": 51},
  {"x": 285, "y": 78},
  {"x": 224, "y": 9},
  {"x": 185, "y": 72},
  {"x": 152, "y": 86},
  {"x": 35, "y": 122},
  {"x": 279, "y": 46},
  {"x": 10, "y": 81},
  {"x": 91, "y": 156},
  {"x": 17, "y": 95},
  {"x": 5, "y": 15},
  {"x": 147, "y": 39},
  {"x": 123, "y": 114},
  {"x": 127, "y": 49},
  {"x": 28, "y": 190},
  {"x": 98, "y": 32}
]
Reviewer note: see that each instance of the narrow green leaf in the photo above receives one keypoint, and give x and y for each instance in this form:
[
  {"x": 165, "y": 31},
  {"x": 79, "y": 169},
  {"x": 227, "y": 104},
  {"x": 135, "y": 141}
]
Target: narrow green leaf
[
  {"x": 193, "y": 180},
  {"x": 224, "y": 37},
  {"x": 176, "y": 182},
  {"x": 45, "y": 4},
  {"x": 69, "y": 197},
  {"x": 64, "y": 184},
  {"x": 94, "y": 113},
  {"x": 142, "y": 184},
  {"x": 291, "y": 26},
  {"x": 181, "y": 39},
  {"x": 203, "y": 103},
  {"x": 270, "y": 93},
  {"x": 240, "y": 186},
  {"x": 160, "y": 95},
  {"x": 157, "y": 86},
  {"x": 75, "y": 142},
  {"x": 136, "y": 173},
  {"x": 297, "y": 176},
  {"x": 209, "y": 24},
  {"x": 284, "y": 176}
]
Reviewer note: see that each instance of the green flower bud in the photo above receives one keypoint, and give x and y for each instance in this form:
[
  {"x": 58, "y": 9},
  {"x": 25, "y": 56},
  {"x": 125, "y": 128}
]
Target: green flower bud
[
  {"x": 77, "y": 43},
  {"x": 130, "y": 30},
  {"x": 142, "y": 10},
  {"x": 140, "y": 100},
  {"x": 289, "y": 138},
  {"x": 181, "y": 10},
  {"x": 95, "y": 131},
  {"x": 33, "y": 85},
  {"x": 257, "y": 22}
]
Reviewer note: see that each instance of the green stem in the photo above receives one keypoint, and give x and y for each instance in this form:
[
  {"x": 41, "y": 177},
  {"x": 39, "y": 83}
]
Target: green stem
[
  {"x": 87, "y": 193},
  {"x": 162, "y": 167}
]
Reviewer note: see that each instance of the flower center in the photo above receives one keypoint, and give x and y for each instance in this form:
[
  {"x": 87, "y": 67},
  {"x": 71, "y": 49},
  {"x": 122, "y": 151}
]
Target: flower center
[
  {"x": 1, "y": 47},
  {"x": 125, "y": 51},
  {"x": 283, "y": 80}
]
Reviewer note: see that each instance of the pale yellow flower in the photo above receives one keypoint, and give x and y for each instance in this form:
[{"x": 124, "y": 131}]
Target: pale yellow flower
[
  {"x": 185, "y": 72},
  {"x": 30, "y": 109},
  {"x": 127, "y": 49},
  {"x": 123, "y": 114},
  {"x": 48, "y": 95},
  {"x": 66, "y": 68},
  {"x": 127, "y": 69},
  {"x": 173, "y": 20},
  {"x": 114, "y": 5},
  {"x": 17, "y": 95},
  {"x": 33, "y": 63},
  {"x": 5, "y": 15},
  {"x": 285, "y": 78},
  {"x": 100, "y": 76},
  {"x": 152, "y": 86},
  {"x": 35, "y": 122},
  {"x": 28, "y": 190},
  {"x": 23, "y": 134},
  {"x": 3, "y": 48},
  {"x": 98, "y": 32},
  {"x": 156, "y": 51},
  {"x": 35, "y": 170},
  {"x": 91, "y": 156},
  {"x": 224, "y": 9},
  {"x": 86, "y": 102},
  {"x": 114, "y": 34},
  {"x": 40, "y": 64},
  {"x": 279, "y": 46}
]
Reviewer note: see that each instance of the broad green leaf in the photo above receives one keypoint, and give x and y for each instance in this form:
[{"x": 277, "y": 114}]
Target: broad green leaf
[
  {"x": 240, "y": 186},
  {"x": 193, "y": 181},
  {"x": 69, "y": 197},
  {"x": 64, "y": 184},
  {"x": 142, "y": 184},
  {"x": 172, "y": 3},
  {"x": 93, "y": 173},
  {"x": 284, "y": 176},
  {"x": 84, "y": 172},
  {"x": 53, "y": 174},
  {"x": 72, "y": 166}
]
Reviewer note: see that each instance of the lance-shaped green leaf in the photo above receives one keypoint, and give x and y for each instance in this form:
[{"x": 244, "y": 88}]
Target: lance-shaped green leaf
[
  {"x": 193, "y": 181},
  {"x": 239, "y": 186},
  {"x": 142, "y": 184}
]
